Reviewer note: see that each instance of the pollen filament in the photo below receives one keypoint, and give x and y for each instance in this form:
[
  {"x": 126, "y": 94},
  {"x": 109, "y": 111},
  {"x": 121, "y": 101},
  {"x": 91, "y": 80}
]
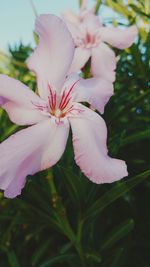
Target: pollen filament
[
  {"x": 58, "y": 106},
  {"x": 64, "y": 107}
]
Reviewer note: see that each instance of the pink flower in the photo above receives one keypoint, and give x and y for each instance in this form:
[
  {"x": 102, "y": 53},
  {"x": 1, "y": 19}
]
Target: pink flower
[
  {"x": 71, "y": 16},
  {"x": 50, "y": 115},
  {"x": 91, "y": 39}
]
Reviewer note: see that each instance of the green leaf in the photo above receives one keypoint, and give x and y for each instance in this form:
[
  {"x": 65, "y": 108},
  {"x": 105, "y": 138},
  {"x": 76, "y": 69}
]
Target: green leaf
[
  {"x": 127, "y": 108},
  {"x": 99, "y": 2},
  {"x": 120, "y": 8},
  {"x": 117, "y": 234},
  {"x": 136, "y": 137},
  {"x": 72, "y": 184},
  {"x": 40, "y": 251},
  {"x": 10, "y": 130},
  {"x": 138, "y": 10},
  {"x": 80, "y": 2},
  {"x": 12, "y": 259},
  {"x": 57, "y": 259},
  {"x": 36, "y": 38},
  {"x": 117, "y": 257},
  {"x": 113, "y": 194},
  {"x": 95, "y": 257},
  {"x": 65, "y": 248}
]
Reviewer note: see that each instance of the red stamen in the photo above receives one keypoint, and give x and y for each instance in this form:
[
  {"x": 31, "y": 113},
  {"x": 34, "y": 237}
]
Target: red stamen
[
  {"x": 52, "y": 98},
  {"x": 63, "y": 103},
  {"x": 50, "y": 104},
  {"x": 55, "y": 98},
  {"x": 68, "y": 110},
  {"x": 62, "y": 98}
]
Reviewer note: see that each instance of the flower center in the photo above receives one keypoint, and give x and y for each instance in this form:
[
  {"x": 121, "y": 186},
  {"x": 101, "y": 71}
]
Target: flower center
[
  {"x": 89, "y": 40},
  {"x": 60, "y": 106},
  {"x": 58, "y": 113}
]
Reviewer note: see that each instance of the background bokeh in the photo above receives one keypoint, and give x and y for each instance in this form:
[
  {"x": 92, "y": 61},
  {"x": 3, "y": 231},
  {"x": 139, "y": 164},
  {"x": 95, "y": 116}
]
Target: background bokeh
[{"x": 61, "y": 218}]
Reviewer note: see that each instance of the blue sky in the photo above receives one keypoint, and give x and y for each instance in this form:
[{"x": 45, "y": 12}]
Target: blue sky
[{"x": 17, "y": 18}]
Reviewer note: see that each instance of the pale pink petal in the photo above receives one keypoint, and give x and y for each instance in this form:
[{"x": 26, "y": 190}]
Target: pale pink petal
[
  {"x": 91, "y": 23},
  {"x": 120, "y": 38},
  {"x": 96, "y": 92},
  {"x": 69, "y": 15},
  {"x": 53, "y": 56},
  {"x": 17, "y": 99},
  {"x": 81, "y": 57},
  {"x": 74, "y": 29},
  {"x": 29, "y": 151},
  {"x": 93, "y": 10},
  {"x": 103, "y": 62},
  {"x": 89, "y": 142},
  {"x": 84, "y": 11}
]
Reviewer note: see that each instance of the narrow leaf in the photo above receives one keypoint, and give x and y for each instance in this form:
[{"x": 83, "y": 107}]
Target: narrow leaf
[
  {"x": 117, "y": 234},
  {"x": 113, "y": 194},
  {"x": 56, "y": 259}
]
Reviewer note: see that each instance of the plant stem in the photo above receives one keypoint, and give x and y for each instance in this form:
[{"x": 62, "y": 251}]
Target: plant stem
[
  {"x": 80, "y": 3},
  {"x": 34, "y": 8},
  {"x": 97, "y": 6},
  {"x": 62, "y": 219}
]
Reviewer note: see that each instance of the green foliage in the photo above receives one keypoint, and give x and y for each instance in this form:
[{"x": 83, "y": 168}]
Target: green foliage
[{"x": 62, "y": 219}]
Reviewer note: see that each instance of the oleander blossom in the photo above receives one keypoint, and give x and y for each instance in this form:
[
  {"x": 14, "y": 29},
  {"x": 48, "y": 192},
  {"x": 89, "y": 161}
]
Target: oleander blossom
[
  {"x": 51, "y": 113},
  {"x": 70, "y": 15},
  {"x": 92, "y": 40}
]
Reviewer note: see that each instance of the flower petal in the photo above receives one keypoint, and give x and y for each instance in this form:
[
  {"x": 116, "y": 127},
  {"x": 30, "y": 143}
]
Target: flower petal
[
  {"x": 91, "y": 23},
  {"x": 53, "y": 56},
  {"x": 71, "y": 16},
  {"x": 28, "y": 151},
  {"x": 75, "y": 31},
  {"x": 96, "y": 92},
  {"x": 103, "y": 62},
  {"x": 16, "y": 98},
  {"x": 81, "y": 56},
  {"x": 89, "y": 141},
  {"x": 120, "y": 38}
]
